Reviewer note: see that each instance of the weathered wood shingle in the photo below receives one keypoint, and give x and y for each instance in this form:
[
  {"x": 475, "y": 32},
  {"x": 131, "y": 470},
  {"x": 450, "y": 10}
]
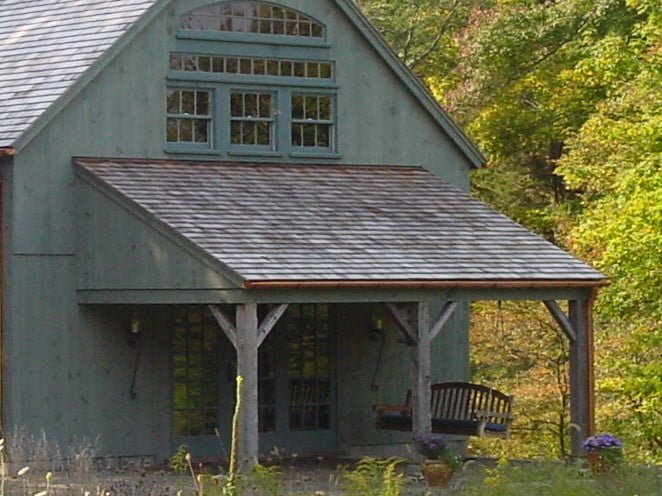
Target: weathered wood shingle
[
  {"x": 277, "y": 222},
  {"x": 46, "y": 45}
]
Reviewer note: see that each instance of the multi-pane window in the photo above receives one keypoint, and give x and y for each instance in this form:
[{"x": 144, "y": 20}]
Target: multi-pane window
[
  {"x": 266, "y": 388},
  {"x": 309, "y": 348},
  {"x": 312, "y": 121},
  {"x": 188, "y": 116},
  {"x": 252, "y": 17},
  {"x": 251, "y": 66},
  {"x": 252, "y": 118},
  {"x": 195, "y": 344}
]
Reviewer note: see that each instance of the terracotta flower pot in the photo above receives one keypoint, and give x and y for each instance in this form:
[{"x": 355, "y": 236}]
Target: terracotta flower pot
[
  {"x": 599, "y": 464},
  {"x": 437, "y": 473}
]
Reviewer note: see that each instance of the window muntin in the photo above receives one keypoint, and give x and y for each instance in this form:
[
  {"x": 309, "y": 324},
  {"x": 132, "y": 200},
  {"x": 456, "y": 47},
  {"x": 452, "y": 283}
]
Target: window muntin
[
  {"x": 252, "y": 17},
  {"x": 252, "y": 118},
  {"x": 189, "y": 116},
  {"x": 195, "y": 345},
  {"x": 309, "y": 367},
  {"x": 312, "y": 120},
  {"x": 251, "y": 66},
  {"x": 266, "y": 391}
]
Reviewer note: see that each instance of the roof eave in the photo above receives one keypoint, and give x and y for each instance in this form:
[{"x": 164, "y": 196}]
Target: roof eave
[
  {"x": 425, "y": 284},
  {"x": 7, "y": 153},
  {"x": 88, "y": 76}
]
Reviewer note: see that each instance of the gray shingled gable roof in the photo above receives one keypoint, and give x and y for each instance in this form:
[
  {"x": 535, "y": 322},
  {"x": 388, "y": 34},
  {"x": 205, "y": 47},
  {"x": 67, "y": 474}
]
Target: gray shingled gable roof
[
  {"x": 48, "y": 46},
  {"x": 278, "y": 222}
]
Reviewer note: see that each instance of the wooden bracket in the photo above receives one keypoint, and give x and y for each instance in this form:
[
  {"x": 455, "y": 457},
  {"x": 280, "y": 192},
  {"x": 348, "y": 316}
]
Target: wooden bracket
[
  {"x": 403, "y": 324},
  {"x": 561, "y": 319},
  {"x": 225, "y": 323},
  {"x": 269, "y": 322},
  {"x": 444, "y": 316},
  {"x": 263, "y": 331}
]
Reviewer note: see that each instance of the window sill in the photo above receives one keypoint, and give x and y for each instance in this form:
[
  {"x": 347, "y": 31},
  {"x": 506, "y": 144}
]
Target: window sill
[
  {"x": 314, "y": 154},
  {"x": 184, "y": 150},
  {"x": 254, "y": 153},
  {"x": 298, "y": 41}
]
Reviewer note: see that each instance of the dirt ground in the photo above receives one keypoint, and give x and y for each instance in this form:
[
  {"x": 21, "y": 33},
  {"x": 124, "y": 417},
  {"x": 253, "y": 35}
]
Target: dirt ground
[{"x": 311, "y": 477}]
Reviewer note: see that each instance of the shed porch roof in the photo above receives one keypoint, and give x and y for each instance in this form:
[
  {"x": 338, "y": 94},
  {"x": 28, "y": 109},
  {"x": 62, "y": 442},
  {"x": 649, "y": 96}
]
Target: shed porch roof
[{"x": 303, "y": 225}]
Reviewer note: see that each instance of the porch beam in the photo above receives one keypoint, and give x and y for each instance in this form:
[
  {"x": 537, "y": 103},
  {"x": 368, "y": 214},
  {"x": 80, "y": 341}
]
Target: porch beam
[
  {"x": 403, "y": 324},
  {"x": 269, "y": 322},
  {"x": 561, "y": 319},
  {"x": 421, "y": 396},
  {"x": 582, "y": 389},
  {"x": 444, "y": 316},
  {"x": 247, "y": 365},
  {"x": 225, "y": 323}
]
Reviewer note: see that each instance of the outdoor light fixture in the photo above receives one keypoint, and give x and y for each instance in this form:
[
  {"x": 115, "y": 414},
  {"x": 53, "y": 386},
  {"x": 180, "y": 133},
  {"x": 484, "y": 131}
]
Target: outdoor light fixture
[
  {"x": 135, "y": 326},
  {"x": 135, "y": 335},
  {"x": 377, "y": 335}
]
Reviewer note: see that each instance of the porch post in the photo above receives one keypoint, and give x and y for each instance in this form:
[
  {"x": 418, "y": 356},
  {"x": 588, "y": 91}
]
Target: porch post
[
  {"x": 422, "y": 421},
  {"x": 582, "y": 393},
  {"x": 247, "y": 363}
]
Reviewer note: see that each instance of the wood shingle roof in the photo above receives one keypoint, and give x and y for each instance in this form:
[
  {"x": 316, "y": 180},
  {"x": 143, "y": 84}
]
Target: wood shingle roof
[
  {"x": 45, "y": 47},
  {"x": 330, "y": 223}
]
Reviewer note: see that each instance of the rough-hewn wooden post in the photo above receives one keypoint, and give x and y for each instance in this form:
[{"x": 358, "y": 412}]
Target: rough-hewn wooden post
[
  {"x": 582, "y": 391},
  {"x": 422, "y": 422},
  {"x": 247, "y": 362}
]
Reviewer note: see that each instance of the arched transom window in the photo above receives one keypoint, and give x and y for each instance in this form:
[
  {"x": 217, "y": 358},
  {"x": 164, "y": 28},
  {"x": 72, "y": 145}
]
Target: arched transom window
[{"x": 252, "y": 17}]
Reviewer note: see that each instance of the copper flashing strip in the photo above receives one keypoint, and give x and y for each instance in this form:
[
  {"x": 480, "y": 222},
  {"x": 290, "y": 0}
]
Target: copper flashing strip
[{"x": 398, "y": 284}]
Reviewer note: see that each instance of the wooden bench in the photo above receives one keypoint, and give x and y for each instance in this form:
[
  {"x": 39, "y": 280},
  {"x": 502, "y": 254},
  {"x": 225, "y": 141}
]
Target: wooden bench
[{"x": 459, "y": 408}]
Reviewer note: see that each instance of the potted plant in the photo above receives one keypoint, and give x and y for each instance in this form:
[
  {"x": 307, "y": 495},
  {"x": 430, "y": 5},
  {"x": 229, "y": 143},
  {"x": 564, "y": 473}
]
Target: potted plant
[
  {"x": 440, "y": 462},
  {"x": 604, "y": 452}
]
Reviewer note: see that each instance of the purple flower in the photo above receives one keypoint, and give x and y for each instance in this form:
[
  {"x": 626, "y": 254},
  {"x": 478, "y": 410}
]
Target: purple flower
[
  {"x": 601, "y": 442},
  {"x": 431, "y": 445}
]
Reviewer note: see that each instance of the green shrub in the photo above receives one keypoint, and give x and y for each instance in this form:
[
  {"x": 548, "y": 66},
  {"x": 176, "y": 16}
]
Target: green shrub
[
  {"x": 555, "y": 479},
  {"x": 178, "y": 462},
  {"x": 373, "y": 477}
]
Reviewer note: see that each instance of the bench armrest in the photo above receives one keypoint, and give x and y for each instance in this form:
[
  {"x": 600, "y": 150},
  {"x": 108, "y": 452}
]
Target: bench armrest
[{"x": 382, "y": 408}]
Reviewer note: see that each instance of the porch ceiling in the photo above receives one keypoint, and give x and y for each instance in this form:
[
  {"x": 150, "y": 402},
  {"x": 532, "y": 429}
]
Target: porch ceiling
[{"x": 299, "y": 226}]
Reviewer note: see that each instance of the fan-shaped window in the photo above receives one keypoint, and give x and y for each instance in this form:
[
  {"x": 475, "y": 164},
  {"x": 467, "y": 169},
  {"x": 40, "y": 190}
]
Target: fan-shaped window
[{"x": 252, "y": 17}]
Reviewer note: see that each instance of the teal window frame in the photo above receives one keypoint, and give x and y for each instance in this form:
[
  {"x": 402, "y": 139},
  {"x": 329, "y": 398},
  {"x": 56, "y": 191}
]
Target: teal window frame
[
  {"x": 194, "y": 116},
  {"x": 302, "y": 18},
  {"x": 315, "y": 122},
  {"x": 228, "y": 44},
  {"x": 221, "y": 118},
  {"x": 244, "y": 119},
  {"x": 208, "y": 148}
]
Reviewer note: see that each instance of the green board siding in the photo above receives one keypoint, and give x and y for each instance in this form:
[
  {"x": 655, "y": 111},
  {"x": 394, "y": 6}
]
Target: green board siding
[
  {"x": 115, "y": 246},
  {"x": 68, "y": 367}
]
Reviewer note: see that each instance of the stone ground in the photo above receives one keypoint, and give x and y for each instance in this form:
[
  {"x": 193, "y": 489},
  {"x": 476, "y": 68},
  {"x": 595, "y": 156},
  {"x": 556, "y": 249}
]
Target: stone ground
[{"x": 311, "y": 477}]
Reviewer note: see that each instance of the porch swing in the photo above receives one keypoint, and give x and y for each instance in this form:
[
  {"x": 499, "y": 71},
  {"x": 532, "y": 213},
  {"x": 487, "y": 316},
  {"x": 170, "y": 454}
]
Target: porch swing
[{"x": 458, "y": 408}]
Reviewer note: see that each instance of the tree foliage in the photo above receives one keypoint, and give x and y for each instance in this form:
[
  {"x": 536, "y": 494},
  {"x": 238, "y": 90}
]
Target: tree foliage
[{"x": 563, "y": 96}]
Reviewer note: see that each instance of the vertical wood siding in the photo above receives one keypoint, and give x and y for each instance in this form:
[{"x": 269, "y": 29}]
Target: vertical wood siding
[{"x": 70, "y": 366}]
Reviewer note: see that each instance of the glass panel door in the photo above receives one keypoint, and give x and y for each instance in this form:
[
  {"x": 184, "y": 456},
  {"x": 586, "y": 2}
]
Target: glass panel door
[
  {"x": 197, "y": 347},
  {"x": 309, "y": 371},
  {"x": 301, "y": 348}
]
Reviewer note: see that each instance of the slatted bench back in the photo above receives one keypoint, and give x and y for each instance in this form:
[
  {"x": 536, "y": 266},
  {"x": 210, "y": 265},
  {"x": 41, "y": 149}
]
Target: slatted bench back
[
  {"x": 459, "y": 408},
  {"x": 460, "y": 401}
]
